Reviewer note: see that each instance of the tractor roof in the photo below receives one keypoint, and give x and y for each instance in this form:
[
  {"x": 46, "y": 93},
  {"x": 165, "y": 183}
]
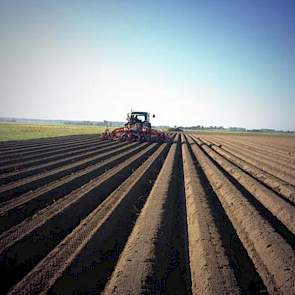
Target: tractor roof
[{"x": 139, "y": 113}]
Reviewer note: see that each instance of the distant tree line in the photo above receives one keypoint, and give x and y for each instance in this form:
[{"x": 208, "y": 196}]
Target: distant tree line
[
  {"x": 231, "y": 129},
  {"x": 95, "y": 123}
]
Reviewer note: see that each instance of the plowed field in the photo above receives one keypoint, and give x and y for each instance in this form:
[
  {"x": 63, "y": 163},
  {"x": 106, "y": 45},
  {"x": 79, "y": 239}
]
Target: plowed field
[{"x": 203, "y": 214}]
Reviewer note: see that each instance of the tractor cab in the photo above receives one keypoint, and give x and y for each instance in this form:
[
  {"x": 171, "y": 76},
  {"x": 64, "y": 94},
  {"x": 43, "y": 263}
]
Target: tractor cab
[{"x": 141, "y": 119}]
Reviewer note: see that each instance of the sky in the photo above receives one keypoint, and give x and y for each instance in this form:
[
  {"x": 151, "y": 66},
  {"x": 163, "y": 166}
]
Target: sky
[{"x": 223, "y": 62}]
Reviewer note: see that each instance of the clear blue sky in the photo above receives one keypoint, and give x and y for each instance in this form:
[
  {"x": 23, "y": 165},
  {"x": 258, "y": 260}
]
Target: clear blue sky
[{"x": 222, "y": 62}]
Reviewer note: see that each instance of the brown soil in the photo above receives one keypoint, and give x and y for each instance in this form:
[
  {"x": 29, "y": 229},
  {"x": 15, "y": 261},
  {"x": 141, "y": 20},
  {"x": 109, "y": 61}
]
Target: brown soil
[{"x": 200, "y": 215}]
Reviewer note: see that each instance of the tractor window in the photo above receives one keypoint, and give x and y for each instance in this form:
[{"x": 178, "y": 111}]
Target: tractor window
[{"x": 139, "y": 117}]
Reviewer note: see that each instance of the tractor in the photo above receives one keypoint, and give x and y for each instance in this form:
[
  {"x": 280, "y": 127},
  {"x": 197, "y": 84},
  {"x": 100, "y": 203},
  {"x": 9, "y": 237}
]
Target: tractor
[{"x": 137, "y": 128}]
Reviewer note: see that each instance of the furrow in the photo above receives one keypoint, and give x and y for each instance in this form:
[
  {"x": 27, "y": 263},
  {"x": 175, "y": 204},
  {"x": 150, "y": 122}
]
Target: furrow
[
  {"x": 277, "y": 144},
  {"x": 18, "y": 173},
  {"x": 143, "y": 264},
  {"x": 17, "y": 232},
  {"x": 284, "y": 211},
  {"x": 6, "y": 179},
  {"x": 210, "y": 268},
  {"x": 36, "y": 148},
  {"x": 100, "y": 225},
  {"x": 19, "y": 157},
  {"x": 272, "y": 256},
  {"x": 21, "y": 186},
  {"x": 17, "y": 209},
  {"x": 52, "y": 224},
  {"x": 262, "y": 156},
  {"x": 276, "y": 184},
  {"x": 38, "y": 141},
  {"x": 264, "y": 150},
  {"x": 261, "y": 164},
  {"x": 23, "y": 164}
]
